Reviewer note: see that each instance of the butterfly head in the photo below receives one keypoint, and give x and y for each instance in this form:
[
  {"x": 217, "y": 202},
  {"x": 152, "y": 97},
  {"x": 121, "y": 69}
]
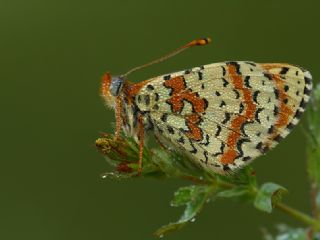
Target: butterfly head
[{"x": 111, "y": 87}]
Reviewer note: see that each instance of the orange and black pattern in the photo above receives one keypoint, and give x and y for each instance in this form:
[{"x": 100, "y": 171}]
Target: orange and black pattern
[{"x": 223, "y": 115}]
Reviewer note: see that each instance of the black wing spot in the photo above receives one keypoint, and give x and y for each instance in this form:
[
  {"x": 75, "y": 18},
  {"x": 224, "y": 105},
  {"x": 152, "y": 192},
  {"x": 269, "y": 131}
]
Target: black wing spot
[
  {"x": 139, "y": 98},
  {"x": 303, "y": 104},
  {"x": 156, "y": 97},
  {"x": 205, "y": 154},
  {"x": 223, "y": 71},
  {"x": 278, "y": 138},
  {"x": 200, "y": 75},
  {"x": 147, "y": 99},
  {"x": 150, "y": 87},
  {"x": 246, "y": 82},
  {"x": 286, "y": 88},
  {"x": 276, "y": 93},
  {"x": 290, "y": 126},
  {"x": 268, "y": 75},
  {"x": 307, "y": 80},
  {"x": 187, "y": 71},
  {"x": 237, "y": 93},
  {"x": 181, "y": 140},
  {"x": 222, "y": 146},
  {"x": 284, "y": 70},
  {"x": 257, "y": 114},
  {"x": 218, "y": 93},
  {"x": 270, "y": 129},
  {"x": 297, "y": 93},
  {"x": 226, "y": 167},
  {"x": 242, "y": 128},
  {"x": 225, "y": 82},
  {"x": 298, "y": 114},
  {"x": 285, "y": 101},
  {"x": 166, "y": 77},
  {"x": 194, "y": 150},
  {"x": 218, "y": 131},
  {"x": 255, "y": 96},
  {"x": 207, "y": 140},
  {"x": 170, "y": 130},
  {"x": 202, "y": 86},
  {"x": 206, "y": 103},
  {"x": 241, "y": 108},
  {"x": 236, "y": 65},
  {"x": 275, "y": 111},
  {"x": 251, "y": 63},
  {"x": 156, "y": 107},
  {"x": 260, "y": 147},
  {"x": 223, "y": 103},
  {"x": 164, "y": 117},
  {"x": 239, "y": 146},
  {"x": 227, "y": 117},
  {"x": 307, "y": 91}
]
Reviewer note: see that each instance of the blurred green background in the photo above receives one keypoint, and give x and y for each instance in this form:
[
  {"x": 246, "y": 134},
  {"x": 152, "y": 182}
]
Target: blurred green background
[{"x": 52, "y": 56}]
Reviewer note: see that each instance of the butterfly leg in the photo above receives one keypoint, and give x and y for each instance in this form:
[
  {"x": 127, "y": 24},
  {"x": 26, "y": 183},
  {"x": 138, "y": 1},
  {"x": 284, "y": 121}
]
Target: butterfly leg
[
  {"x": 141, "y": 142},
  {"x": 118, "y": 117}
]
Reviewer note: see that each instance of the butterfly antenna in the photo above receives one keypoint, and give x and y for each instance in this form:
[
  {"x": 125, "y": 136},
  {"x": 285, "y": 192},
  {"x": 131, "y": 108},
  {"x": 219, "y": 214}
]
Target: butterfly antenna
[{"x": 197, "y": 42}]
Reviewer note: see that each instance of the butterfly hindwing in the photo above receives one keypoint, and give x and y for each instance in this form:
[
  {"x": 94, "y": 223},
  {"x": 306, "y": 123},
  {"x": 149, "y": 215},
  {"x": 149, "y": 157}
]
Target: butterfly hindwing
[{"x": 226, "y": 114}]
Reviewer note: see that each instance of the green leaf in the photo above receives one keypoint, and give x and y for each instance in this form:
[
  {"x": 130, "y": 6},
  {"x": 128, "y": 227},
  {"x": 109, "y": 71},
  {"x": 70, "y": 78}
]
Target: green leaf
[
  {"x": 183, "y": 196},
  {"x": 296, "y": 234},
  {"x": 194, "y": 197},
  {"x": 266, "y": 235},
  {"x": 288, "y": 233},
  {"x": 116, "y": 176},
  {"x": 234, "y": 192},
  {"x": 268, "y": 195}
]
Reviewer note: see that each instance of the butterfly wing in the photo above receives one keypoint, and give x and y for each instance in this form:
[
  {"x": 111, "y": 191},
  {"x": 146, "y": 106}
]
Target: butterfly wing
[{"x": 226, "y": 114}]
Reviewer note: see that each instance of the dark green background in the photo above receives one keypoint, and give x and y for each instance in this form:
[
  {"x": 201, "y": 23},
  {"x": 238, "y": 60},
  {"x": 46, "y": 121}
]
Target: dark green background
[{"x": 52, "y": 56}]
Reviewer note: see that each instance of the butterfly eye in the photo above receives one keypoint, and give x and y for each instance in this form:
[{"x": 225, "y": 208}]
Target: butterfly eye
[{"x": 116, "y": 85}]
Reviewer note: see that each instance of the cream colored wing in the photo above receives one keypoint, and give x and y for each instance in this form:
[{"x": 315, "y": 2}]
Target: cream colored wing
[{"x": 226, "y": 114}]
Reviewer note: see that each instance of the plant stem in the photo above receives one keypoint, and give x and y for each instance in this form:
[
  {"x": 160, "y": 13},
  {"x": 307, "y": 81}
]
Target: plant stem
[{"x": 302, "y": 217}]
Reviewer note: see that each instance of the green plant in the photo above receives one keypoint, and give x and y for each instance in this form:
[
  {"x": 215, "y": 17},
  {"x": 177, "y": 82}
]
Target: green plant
[{"x": 206, "y": 187}]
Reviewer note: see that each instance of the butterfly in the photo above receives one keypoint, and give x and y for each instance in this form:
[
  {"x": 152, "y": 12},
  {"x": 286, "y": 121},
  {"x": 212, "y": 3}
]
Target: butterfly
[{"x": 223, "y": 115}]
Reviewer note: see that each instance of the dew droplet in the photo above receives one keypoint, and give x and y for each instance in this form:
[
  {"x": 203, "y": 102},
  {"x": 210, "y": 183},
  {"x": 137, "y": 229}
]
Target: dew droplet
[
  {"x": 161, "y": 236},
  {"x": 103, "y": 175},
  {"x": 193, "y": 220}
]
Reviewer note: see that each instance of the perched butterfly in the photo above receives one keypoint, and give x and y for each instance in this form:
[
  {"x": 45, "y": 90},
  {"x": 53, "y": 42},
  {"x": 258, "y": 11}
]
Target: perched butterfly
[{"x": 223, "y": 115}]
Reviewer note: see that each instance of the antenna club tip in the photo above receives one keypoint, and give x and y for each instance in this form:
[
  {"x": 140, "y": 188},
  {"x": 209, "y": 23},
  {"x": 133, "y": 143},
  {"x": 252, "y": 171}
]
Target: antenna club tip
[
  {"x": 203, "y": 41},
  {"x": 209, "y": 40}
]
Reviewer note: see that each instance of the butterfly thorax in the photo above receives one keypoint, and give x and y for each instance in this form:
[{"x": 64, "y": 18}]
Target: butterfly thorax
[{"x": 132, "y": 103}]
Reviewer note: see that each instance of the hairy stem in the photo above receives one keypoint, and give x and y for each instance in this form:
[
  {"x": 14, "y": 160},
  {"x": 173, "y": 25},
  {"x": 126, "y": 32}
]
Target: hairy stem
[{"x": 302, "y": 217}]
